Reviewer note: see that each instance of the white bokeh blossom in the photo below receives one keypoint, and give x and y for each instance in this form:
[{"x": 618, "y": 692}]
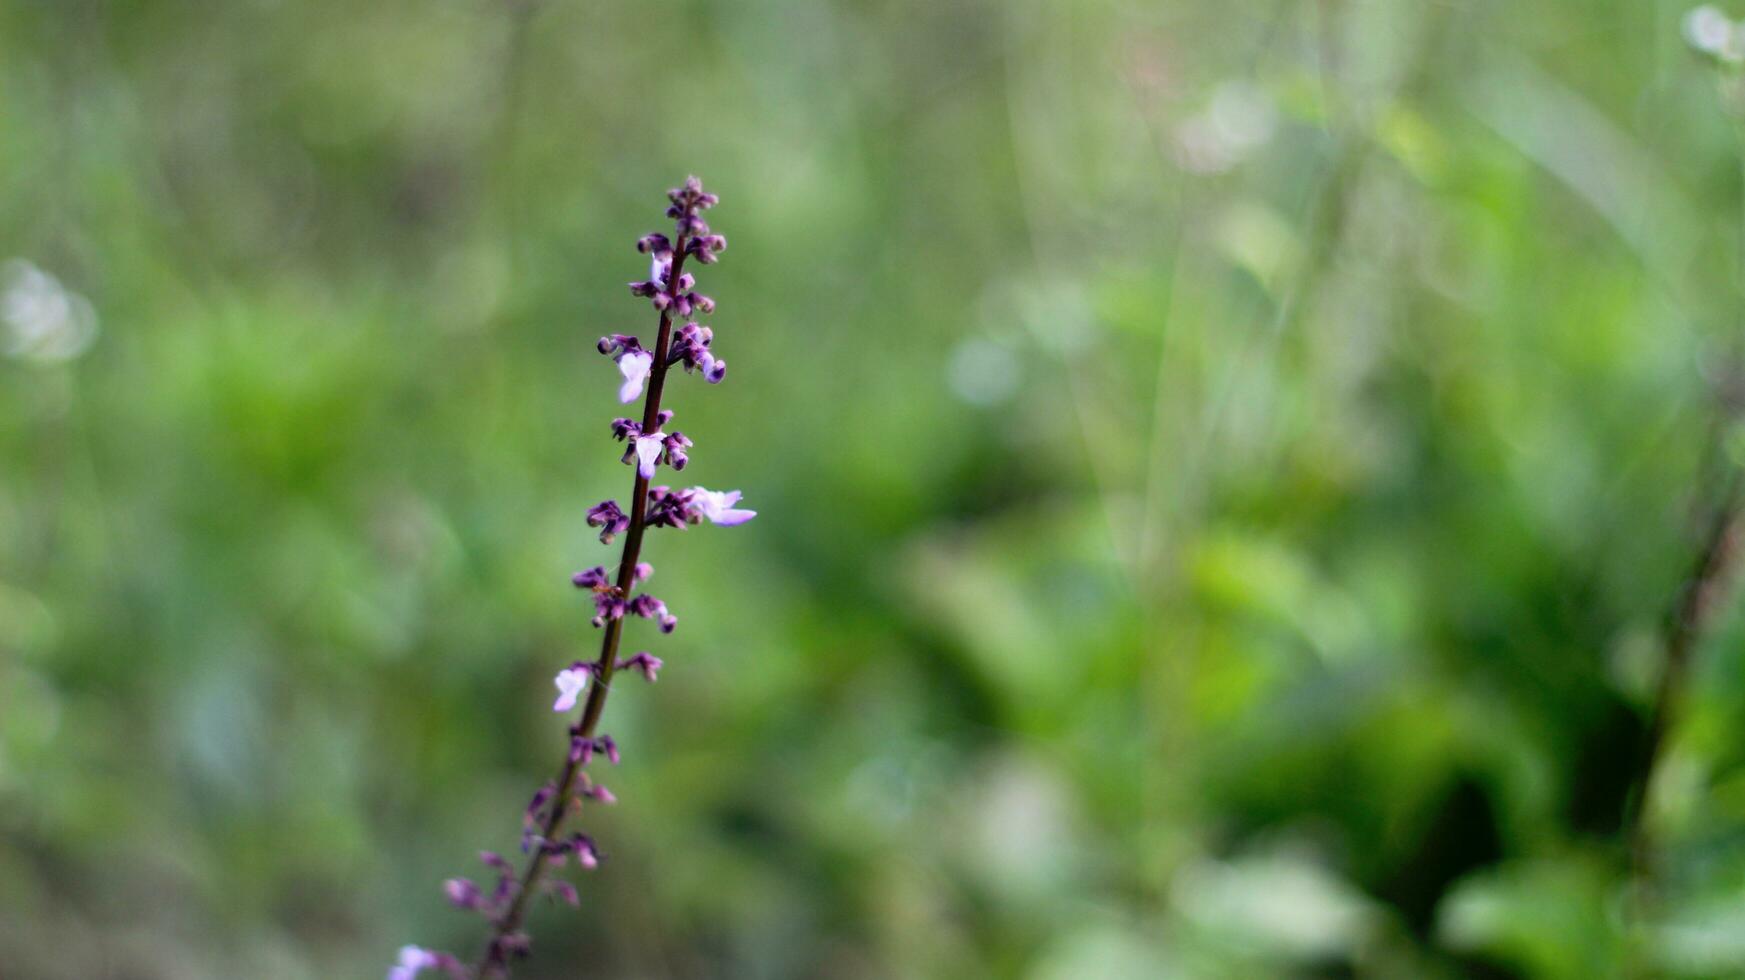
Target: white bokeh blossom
[{"x": 41, "y": 321}]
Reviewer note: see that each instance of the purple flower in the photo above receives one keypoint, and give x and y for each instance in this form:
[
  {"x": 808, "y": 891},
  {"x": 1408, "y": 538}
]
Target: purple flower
[
  {"x": 564, "y": 891},
  {"x": 608, "y": 600},
  {"x": 608, "y": 605},
  {"x": 510, "y": 945},
  {"x": 463, "y": 893},
  {"x": 716, "y": 506},
  {"x": 675, "y": 446},
  {"x": 688, "y": 343},
  {"x": 648, "y": 607},
  {"x": 689, "y": 198},
  {"x": 645, "y": 663},
  {"x": 614, "y": 344},
  {"x": 506, "y": 883},
  {"x": 690, "y": 347},
  {"x": 587, "y": 855},
  {"x": 541, "y": 797},
  {"x": 611, "y": 521},
  {"x": 570, "y": 683},
  {"x": 582, "y": 749},
  {"x": 668, "y": 507},
  {"x": 593, "y": 578},
  {"x": 580, "y": 844},
  {"x": 704, "y": 247},
  {"x": 414, "y": 959}
]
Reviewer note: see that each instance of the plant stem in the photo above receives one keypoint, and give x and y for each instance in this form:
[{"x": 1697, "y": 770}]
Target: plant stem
[
  {"x": 1694, "y": 604},
  {"x": 1685, "y": 622},
  {"x": 494, "y": 962}
]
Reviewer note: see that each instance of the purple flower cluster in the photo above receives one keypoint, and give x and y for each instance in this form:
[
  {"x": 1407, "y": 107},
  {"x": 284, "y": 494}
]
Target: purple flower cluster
[
  {"x": 611, "y": 521},
  {"x": 650, "y": 448},
  {"x": 677, "y": 508},
  {"x": 649, "y": 445},
  {"x": 689, "y": 346},
  {"x": 610, "y": 603},
  {"x": 695, "y": 238}
]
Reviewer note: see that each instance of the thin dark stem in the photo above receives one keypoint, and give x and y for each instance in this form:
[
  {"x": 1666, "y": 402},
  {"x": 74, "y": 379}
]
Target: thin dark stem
[
  {"x": 1685, "y": 622},
  {"x": 495, "y": 959},
  {"x": 1692, "y": 607}
]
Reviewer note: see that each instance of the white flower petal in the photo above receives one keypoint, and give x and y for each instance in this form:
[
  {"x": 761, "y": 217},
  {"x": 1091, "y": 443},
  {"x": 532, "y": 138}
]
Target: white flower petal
[
  {"x": 570, "y": 683},
  {"x": 716, "y": 506},
  {"x": 635, "y": 368},
  {"x": 648, "y": 450}
]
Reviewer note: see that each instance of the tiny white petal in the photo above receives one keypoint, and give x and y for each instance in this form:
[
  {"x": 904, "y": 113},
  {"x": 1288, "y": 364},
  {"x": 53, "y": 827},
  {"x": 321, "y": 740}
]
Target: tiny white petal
[
  {"x": 635, "y": 368},
  {"x": 648, "y": 450},
  {"x": 570, "y": 683},
  {"x": 412, "y": 959}
]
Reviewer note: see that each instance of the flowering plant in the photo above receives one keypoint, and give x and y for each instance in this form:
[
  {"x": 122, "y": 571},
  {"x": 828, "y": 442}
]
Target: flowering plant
[{"x": 649, "y": 445}]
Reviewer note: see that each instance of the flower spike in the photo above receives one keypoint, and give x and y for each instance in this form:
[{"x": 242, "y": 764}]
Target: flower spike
[{"x": 613, "y": 591}]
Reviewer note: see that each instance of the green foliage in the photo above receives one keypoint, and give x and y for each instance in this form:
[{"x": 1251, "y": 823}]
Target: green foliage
[{"x": 1223, "y": 471}]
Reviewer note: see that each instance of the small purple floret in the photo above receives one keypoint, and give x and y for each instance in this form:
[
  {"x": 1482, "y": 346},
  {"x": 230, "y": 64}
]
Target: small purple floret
[
  {"x": 644, "y": 663},
  {"x": 611, "y": 521},
  {"x": 463, "y": 893}
]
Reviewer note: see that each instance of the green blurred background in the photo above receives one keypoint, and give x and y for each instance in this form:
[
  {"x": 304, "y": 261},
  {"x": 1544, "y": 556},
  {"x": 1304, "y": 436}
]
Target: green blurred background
[{"x": 1223, "y": 467}]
